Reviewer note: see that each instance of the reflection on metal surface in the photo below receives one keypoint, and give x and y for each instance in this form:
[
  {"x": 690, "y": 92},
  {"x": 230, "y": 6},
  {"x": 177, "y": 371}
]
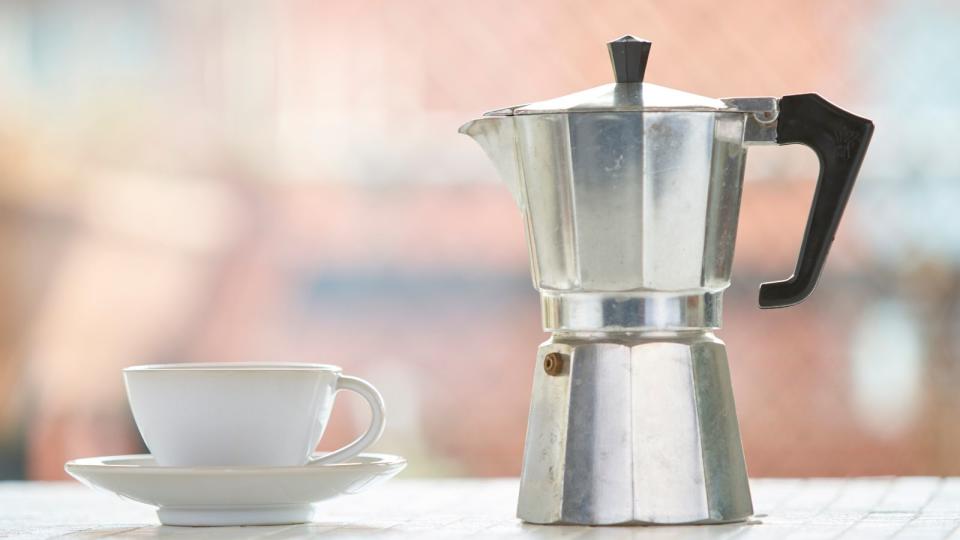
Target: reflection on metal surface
[{"x": 585, "y": 312}]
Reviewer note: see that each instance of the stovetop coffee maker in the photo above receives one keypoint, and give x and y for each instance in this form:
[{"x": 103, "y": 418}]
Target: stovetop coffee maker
[{"x": 630, "y": 194}]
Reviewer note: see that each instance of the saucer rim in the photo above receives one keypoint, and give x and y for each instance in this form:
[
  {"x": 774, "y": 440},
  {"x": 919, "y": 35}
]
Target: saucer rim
[{"x": 383, "y": 461}]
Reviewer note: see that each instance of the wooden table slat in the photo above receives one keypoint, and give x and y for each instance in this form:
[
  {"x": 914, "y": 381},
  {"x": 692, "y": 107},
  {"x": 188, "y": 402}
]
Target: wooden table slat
[{"x": 920, "y": 508}]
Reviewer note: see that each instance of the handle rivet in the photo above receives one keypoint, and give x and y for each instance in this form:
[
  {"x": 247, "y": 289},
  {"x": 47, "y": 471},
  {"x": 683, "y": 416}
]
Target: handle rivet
[{"x": 553, "y": 363}]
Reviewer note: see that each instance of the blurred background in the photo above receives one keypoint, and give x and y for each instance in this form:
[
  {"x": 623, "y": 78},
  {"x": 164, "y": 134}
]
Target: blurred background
[{"x": 282, "y": 181}]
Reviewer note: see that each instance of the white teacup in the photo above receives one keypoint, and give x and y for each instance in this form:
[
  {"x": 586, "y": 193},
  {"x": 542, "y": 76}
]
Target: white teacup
[{"x": 243, "y": 414}]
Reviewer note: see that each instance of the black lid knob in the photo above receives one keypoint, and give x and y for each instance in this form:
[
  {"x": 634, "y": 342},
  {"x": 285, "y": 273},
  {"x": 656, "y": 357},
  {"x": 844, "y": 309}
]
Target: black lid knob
[{"x": 629, "y": 57}]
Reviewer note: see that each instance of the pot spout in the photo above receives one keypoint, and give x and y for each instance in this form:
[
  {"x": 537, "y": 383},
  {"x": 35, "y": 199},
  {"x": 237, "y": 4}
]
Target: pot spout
[{"x": 497, "y": 136}]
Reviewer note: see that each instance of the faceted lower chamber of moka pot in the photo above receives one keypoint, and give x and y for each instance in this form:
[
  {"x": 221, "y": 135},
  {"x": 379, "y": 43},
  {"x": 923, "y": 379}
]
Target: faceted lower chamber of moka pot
[
  {"x": 630, "y": 196},
  {"x": 627, "y": 430}
]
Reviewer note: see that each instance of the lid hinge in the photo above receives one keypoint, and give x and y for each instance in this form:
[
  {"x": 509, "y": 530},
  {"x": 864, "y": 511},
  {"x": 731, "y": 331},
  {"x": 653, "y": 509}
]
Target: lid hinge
[{"x": 762, "y": 114}]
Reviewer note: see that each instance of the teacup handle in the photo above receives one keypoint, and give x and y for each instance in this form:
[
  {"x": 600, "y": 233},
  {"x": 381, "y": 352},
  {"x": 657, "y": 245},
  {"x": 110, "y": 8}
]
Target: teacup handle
[{"x": 377, "y": 419}]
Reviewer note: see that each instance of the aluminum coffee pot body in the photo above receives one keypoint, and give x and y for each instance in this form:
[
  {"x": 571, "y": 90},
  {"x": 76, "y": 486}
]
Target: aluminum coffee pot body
[
  {"x": 623, "y": 202},
  {"x": 635, "y": 188},
  {"x": 630, "y": 196}
]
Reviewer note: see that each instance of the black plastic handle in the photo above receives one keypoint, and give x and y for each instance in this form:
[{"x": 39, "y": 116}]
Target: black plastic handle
[{"x": 840, "y": 140}]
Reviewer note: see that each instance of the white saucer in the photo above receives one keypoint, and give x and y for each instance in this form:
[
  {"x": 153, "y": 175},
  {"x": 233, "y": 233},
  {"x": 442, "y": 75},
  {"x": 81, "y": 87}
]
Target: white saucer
[{"x": 232, "y": 495}]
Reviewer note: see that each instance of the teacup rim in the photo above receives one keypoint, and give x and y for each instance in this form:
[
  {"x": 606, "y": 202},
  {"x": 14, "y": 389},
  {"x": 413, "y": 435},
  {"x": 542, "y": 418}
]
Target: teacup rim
[{"x": 232, "y": 366}]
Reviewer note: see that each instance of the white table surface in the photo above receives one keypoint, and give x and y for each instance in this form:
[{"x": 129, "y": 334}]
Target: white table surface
[{"x": 866, "y": 508}]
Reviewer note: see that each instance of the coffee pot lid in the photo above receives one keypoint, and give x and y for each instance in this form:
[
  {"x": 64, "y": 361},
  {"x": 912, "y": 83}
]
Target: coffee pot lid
[{"x": 629, "y": 58}]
